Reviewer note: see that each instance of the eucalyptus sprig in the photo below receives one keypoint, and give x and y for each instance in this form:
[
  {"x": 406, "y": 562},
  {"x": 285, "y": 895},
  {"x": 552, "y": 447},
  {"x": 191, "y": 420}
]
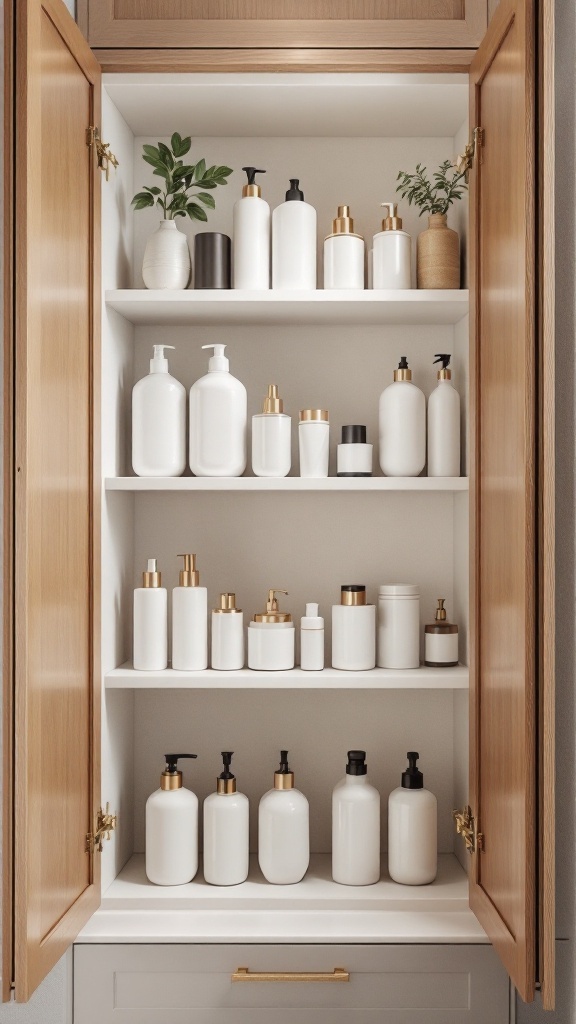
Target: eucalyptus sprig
[
  {"x": 176, "y": 198},
  {"x": 436, "y": 197}
]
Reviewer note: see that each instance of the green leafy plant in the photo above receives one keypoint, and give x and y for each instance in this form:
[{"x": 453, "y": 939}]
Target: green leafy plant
[
  {"x": 178, "y": 197},
  {"x": 433, "y": 197}
]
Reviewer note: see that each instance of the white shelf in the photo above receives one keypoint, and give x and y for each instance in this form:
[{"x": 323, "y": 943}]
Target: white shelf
[
  {"x": 340, "y": 308},
  {"x": 423, "y": 678},
  {"x": 289, "y": 483}
]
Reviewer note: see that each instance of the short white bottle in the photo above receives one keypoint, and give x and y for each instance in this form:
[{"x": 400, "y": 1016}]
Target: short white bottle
[
  {"x": 271, "y": 638},
  {"x": 251, "y": 236},
  {"x": 172, "y": 828},
  {"x": 312, "y": 640},
  {"x": 343, "y": 254},
  {"x": 226, "y": 828},
  {"x": 391, "y": 257},
  {"x": 272, "y": 437},
  {"x": 189, "y": 620},
  {"x": 412, "y": 829},
  {"x": 402, "y": 425},
  {"x": 159, "y": 421},
  {"x": 150, "y": 637},
  {"x": 314, "y": 442},
  {"x": 353, "y": 631},
  {"x": 227, "y": 635},
  {"x": 294, "y": 242},
  {"x": 283, "y": 829},
  {"x": 218, "y": 420},
  {"x": 444, "y": 424},
  {"x": 355, "y": 825}
]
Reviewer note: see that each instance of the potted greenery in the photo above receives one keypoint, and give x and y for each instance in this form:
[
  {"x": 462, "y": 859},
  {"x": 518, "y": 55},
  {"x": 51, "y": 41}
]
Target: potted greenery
[
  {"x": 438, "y": 248},
  {"x": 183, "y": 194}
]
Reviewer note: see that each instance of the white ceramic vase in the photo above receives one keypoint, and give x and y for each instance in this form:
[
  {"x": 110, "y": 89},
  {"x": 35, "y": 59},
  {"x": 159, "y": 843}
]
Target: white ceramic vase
[{"x": 167, "y": 261}]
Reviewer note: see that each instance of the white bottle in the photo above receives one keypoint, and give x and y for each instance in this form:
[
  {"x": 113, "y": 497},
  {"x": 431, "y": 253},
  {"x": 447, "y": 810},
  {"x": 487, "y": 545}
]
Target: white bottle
[
  {"x": 312, "y": 640},
  {"x": 343, "y": 254},
  {"x": 412, "y": 829},
  {"x": 355, "y": 825},
  {"x": 150, "y": 637},
  {"x": 227, "y": 635},
  {"x": 444, "y": 424},
  {"x": 251, "y": 236},
  {"x": 314, "y": 442},
  {"x": 218, "y": 419},
  {"x": 294, "y": 242},
  {"x": 283, "y": 829},
  {"x": 399, "y": 626},
  {"x": 272, "y": 437},
  {"x": 353, "y": 631},
  {"x": 391, "y": 258},
  {"x": 159, "y": 421},
  {"x": 402, "y": 425},
  {"x": 189, "y": 620},
  {"x": 172, "y": 828},
  {"x": 226, "y": 821},
  {"x": 271, "y": 637}
]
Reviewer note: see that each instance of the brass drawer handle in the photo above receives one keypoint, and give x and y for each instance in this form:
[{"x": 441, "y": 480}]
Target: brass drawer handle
[{"x": 245, "y": 974}]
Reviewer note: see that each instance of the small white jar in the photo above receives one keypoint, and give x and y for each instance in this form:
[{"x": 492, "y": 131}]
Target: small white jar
[
  {"x": 343, "y": 254},
  {"x": 399, "y": 626},
  {"x": 227, "y": 635},
  {"x": 354, "y": 456},
  {"x": 271, "y": 638},
  {"x": 312, "y": 640},
  {"x": 314, "y": 442},
  {"x": 353, "y": 631},
  {"x": 271, "y": 437}
]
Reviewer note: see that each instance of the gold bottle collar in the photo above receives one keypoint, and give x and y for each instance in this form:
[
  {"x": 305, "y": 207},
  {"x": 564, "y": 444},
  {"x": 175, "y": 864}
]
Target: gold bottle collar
[
  {"x": 171, "y": 780},
  {"x": 283, "y": 780},
  {"x": 251, "y": 190},
  {"x": 272, "y": 613},
  {"x": 343, "y": 224},
  {"x": 224, "y": 787},
  {"x": 314, "y": 414},
  {"x": 189, "y": 575},
  {"x": 403, "y": 374},
  {"x": 444, "y": 374},
  {"x": 227, "y": 605}
]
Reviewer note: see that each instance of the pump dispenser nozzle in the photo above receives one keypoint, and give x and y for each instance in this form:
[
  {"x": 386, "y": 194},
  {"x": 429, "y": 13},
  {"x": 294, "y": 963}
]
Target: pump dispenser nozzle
[
  {"x": 443, "y": 373},
  {"x": 171, "y": 778},
  {"x": 273, "y": 403},
  {"x": 412, "y": 777},
  {"x": 159, "y": 363},
  {"x": 218, "y": 361},
  {"x": 284, "y": 777},
  {"x": 189, "y": 575},
  {"x": 272, "y": 613},
  {"x": 343, "y": 224},
  {"x": 356, "y": 763},
  {"x": 151, "y": 577},
  {"x": 403, "y": 372},
  {"x": 294, "y": 192},
  {"x": 226, "y": 781},
  {"x": 251, "y": 188},
  {"x": 392, "y": 222}
]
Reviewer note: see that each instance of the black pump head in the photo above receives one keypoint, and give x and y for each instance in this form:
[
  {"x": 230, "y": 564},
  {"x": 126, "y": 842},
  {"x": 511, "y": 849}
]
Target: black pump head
[
  {"x": 412, "y": 778},
  {"x": 403, "y": 364},
  {"x": 356, "y": 763},
  {"x": 444, "y": 358},
  {"x": 172, "y": 761},
  {"x": 227, "y": 760},
  {"x": 251, "y": 173},
  {"x": 294, "y": 192},
  {"x": 284, "y": 768}
]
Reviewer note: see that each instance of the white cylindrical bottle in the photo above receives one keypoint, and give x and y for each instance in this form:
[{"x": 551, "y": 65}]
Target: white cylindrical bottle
[
  {"x": 354, "y": 456},
  {"x": 227, "y": 635},
  {"x": 355, "y": 825},
  {"x": 444, "y": 424},
  {"x": 159, "y": 421},
  {"x": 251, "y": 237},
  {"x": 391, "y": 259},
  {"x": 441, "y": 640},
  {"x": 412, "y": 829},
  {"x": 189, "y": 620},
  {"x": 314, "y": 442},
  {"x": 271, "y": 638},
  {"x": 218, "y": 419},
  {"x": 343, "y": 254},
  {"x": 312, "y": 640},
  {"x": 294, "y": 242},
  {"x": 226, "y": 821},
  {"x": 398, "y": 626},
  {"x": 283, "y": 829},
  {"x": 172, "y": 828},
  {"x": 402, "y": 425},
  {"x": 272, "y": 437},
  {"x": 150, "y": 637},
  {"x": 353, "y": 631}
]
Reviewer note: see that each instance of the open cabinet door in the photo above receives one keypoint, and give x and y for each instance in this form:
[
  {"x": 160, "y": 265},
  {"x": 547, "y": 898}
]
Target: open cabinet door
[{"x": 51, "y": 696}]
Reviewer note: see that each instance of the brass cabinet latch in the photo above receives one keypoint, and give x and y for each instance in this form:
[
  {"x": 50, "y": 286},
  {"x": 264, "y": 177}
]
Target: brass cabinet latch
[
  {"x": 104, "y": 154},
  {"x": 105, "y": 824},
  {"x": 467, "y": 828},
  {"x": 465, "y": 161}
]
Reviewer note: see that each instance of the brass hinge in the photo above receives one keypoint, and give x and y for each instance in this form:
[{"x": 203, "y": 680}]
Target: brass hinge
[
  {"x": 466, "y": 826},
  {"x": 105, "y": 824},
  {"x": 465, "y": 161},
  {"x": 104, "y": 154}
]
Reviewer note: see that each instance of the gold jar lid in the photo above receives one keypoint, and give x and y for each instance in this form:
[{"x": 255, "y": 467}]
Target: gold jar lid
[
  {"x": 272, "y": 613},
  {"x": 353, "y": 594},
  {"x": 189, "y": 575},
  {"x": 227, "y": 604},
  {"x": 273, "y": 403},
  {"x": 151, "y": 577},
  {"x": 314, "y": 414},
  {"x": 343, "y": 224}
]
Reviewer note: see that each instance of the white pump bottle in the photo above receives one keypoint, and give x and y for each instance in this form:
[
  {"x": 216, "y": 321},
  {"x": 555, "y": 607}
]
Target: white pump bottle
[
  {"x": 172, "y": 828},
  {"x": 226, "y": 820},
  {"x": 218, "y": 418},
  {"x": 355, "y": 825},
  {"x": 391, "y": 253},
  {"x": 412, "y": 829},
  {"x": 159, "y": 421},
  {"x": 444, "y": 424},
  {"x": 189, "y": 620},
  {"x": 251, "y": 236},
  {"x": 283, "y": 829},
  {"x": 402, "y": 423},
  {"x": 294, "y": 242}
]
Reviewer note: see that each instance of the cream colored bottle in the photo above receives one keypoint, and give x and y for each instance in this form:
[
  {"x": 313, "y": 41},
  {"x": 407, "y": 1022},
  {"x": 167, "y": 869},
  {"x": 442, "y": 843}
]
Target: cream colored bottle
[
  {"x": 343, "y": 254},
  {"x": 189, "y": 620}
]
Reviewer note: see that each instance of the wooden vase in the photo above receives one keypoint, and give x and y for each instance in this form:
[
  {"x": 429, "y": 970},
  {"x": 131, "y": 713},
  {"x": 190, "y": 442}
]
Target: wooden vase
[{"x": 438, "y": 255}]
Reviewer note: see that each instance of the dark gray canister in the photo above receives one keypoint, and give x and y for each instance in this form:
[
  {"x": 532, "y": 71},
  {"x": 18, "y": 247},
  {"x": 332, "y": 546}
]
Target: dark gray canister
[{"x": 212, "y": 260}]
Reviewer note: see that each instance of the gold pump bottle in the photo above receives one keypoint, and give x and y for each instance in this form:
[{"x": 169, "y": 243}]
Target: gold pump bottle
[
  {"x": 189, "y": 620},
  {"x": 227, "y": 635},
  {"x": 343, "y": 254},
  {"x": 271, "y": 437}
]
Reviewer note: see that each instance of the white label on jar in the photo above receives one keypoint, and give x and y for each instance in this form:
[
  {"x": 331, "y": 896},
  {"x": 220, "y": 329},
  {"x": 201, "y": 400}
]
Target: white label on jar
[{"x": 441, "y": 648}]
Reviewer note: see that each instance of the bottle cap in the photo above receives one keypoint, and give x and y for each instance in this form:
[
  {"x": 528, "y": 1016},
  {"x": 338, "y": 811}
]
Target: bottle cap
[
  {"x": 392, "y": 222},
  {"x": 312, "y": 620},
  {"x": 354, "y": 433},
  {"x": 273, "y": 403},
  {"x": 443, "y": 373},
  {"x": 189, "y": 575},
  {"x": 356, "y": 763},
  {"x": 314, "y": 414},
  {"x": 171, "y": 778},
  {"x": 272, "y": 613},
  {"x": 151, "y": 577},
  {"x": 343, "y": 224},
  {"x": 399, "y": 590},
  {"x": 159, "y": 363},
  {"x": 284, "y": 778},
  {"x": 352, "y": 594},
  {"x": 218, "y": 361},
  {"x": 403, "y": 372},
  {"x": 227, "y": 604},
  {"x": 226, "y": 781},
  {"x": 294, "y": 192},
  {"x": 251, "y": 188},
  {"x": 412, "y": 778}
]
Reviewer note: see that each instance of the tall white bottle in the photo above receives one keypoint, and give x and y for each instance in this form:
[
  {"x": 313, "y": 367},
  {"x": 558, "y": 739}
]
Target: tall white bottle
[
  {"x": 344, "y": 253},
  {"x": 312, "y": 640},
  {"x": 189, "y": 620},
  {"x": 294, "y": 242},
  {"x": 150, "y": 636},
  {"x": 226, "y": 821},
  {"x": 391, "y": 255},
  {"x": 283, "y": 829},
  {"x": 218, "y": 418},
  {"x": 402, "y": 425},
  {"x": 444, "y": 424},
  {"x": 412, "y": 829},
  {"x": 355, "y": 825},
  {"x": 159, "y": 421},
  {"x": 172, "y": 828},
  {"x": 251, "y": 236},
  {"x": 272, "y": 437},
  {"x": 227, "y": 635}
]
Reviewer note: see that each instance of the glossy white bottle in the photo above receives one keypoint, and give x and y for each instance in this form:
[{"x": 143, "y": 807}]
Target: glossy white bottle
[
  {"x": 283, "y": 829},
  {"x": 294, "y": 242},
  {"x": 412, "y": 829},
  {"x": 251, "y": 236},
  {"x": 444, "y": 424},
  {"x": 272, "y": 437},
  {"x": 402, "y": 425},
  {"x": 343, "y": 254},
  {"x": 150, "y": 635},
  {"x": 189, "y": 620},
  {"x": 391, "y": 256},
  {"x": 159, "y": 421},
  {"x": 226, "y": 821},
  {"x": 353, "y": 631},
  {"x": 355, "y": 825},
  {"x": 227, "y": 635},
  {"x": 172, "y": 828},
  {"x": 271, "y": 638},
  {"x": 314, "y": 442},
  {"x": 312, "y": 640},
  {"x": 218, "y": 419}
]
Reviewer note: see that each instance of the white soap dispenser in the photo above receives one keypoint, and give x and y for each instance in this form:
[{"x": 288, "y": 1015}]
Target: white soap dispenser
[
  {"x": 172, "y": 828},
  {"x": 391, "y": 255},
  {"x": 412, "y": 829},
  {"x": 150, "y": 633},
  {"x": 444, "y": 423},
  {"x": 355, "y": 825},
  {"x": 343, "y": 254},
  {"x": 271, "y": 638},
  {"x": 283, "y": 829},
  {"x": 226, "y": 820},
  {"x": 189, "y": 620},
  {"x": 218, "y": 418},
  {"x": 402, "y": 425},
  {"x": 251, "y": 236},
  {"x": 272, "y": 437},
  {"x": 159, "y": 421},
  {"x": 294, "y": 242},
  {"x": 227, "y": 635}
]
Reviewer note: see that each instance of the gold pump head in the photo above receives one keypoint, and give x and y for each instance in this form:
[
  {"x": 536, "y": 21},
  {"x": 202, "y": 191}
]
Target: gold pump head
[
  {"x": 441, "y": 611},
  {"x": 343, "y": 224},
  {"x": 151, "y": 577},
  {"x": 392, "y": 222},
  {"x": 272, "y": 613},
  {"x": 227, "y": 605},
  {"x": 189, "y": 575},
  {"x": 273, "y": 403}
]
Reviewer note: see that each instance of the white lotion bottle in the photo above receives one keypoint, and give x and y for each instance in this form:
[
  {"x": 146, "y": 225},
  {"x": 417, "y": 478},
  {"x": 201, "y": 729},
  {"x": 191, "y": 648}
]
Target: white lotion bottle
[
  {"x": 283, "y": 829},
  {"x": 226, "y": 821},
  {"x": 355, "y": 825},
  {"x": 172, "y": 828},
  {"x": 353, "y": 631},
  {"x": 391, "y": 255},
  {"x": 189, "y": 620},
  {"x": 159, "y": 421},
  {"x": 272, "y": 437},
  {"x": 150, "y": 637},
  {"x": 343, "y": 254},
  {"x": 402, "y": 425},
  {"x": 312, "y": 640},
  {"x": 314, "y": 442},
  {"x": 412, "y": 829},
  {"x": 444, "y": 424},
  {"x": 251, "y": 236},
  {"x": 227, "y": 635},
  {"x": 218, "y": 420},
  {"x": 294, "y": 242},
  {"x": 271, "y": 638}
]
